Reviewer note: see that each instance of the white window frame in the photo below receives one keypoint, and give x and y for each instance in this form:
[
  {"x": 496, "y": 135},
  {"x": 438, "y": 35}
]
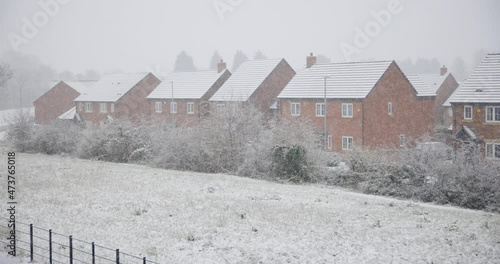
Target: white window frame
[
  {"x": 103, "y": 108},
  {"x": 389, "y": 108},
  {"x": 295, "y": 109},
  {"x": 158, "y": 107},
  {"x": 81, "y": 106},
  {"x": 89, "y": 107},
  {"x": 330, "y": 143},
  {"x": 320, "y": 109},
  {"x": 347, "y": 110},
  {"x": 173, "y": 107},
  {"x": 190, "y": 108},
  {"x": 112, "y": 106},
  {"x": 450, "y": 111},
  {"x": 347, "y": 143},
  {"x": 465, "y": 112},
  {"x": 221, "y": 108},
  {"x": 493, "y": 116},
  {"x": 491, "y": 152},
  {"x": 402, "y": 140}
]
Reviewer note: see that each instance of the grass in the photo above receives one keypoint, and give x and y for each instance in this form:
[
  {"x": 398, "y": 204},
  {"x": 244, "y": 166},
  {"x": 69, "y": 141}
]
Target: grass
[{"x": 183, "y": 217}]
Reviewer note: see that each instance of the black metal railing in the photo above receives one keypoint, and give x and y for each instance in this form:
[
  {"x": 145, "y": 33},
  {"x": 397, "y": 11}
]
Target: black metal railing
[{"x": 42, "y": 244}]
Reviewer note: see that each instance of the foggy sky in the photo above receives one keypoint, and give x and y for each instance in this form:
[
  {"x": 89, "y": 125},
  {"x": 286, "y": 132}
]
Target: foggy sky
[{"x": 133, "y": 35}]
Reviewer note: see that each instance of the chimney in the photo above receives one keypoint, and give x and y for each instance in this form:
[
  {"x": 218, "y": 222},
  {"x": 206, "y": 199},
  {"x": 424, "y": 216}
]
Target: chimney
[
  {"x": 311, "y": 60},
  {"x": 444, "y": 70},
  {"x": 221, "y": 66}
]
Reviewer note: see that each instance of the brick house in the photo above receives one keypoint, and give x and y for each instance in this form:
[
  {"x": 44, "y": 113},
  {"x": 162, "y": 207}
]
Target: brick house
[
  {"x": 120, "y": 96},
  {"x": 256, "y": 82},
  {"x": 368, "y": 104},
  {"x": 59, "y": 100},
  {"x": 476, "y": 107},
  {"x": 442, "y": 85},
  {"x": 183, "y": 96}
]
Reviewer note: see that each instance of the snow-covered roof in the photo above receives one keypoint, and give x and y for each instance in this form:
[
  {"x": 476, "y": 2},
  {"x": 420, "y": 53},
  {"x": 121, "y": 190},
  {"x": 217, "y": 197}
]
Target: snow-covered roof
[
  {"x": 482, "y": 86},
  {"x": 69, "y": 115},
  {"x": 111, "y": 87},
  {"x": 249, "y": 76},
  {"x": 186, "y": 85},
  {"x": 434, "y": 81},
  {"x": 345, "y": 80},
  {"x": 80, "y": 86},
  {"x": 423, "y": 89},
  {"x": 470, "y": 133}
]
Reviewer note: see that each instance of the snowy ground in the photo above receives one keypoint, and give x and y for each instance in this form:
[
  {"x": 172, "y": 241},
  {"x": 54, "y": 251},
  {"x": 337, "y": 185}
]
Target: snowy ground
[{"x": 182, "y": 217}]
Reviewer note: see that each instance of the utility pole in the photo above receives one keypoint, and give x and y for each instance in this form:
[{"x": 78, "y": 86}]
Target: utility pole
[{"x": 324, "y": 120}]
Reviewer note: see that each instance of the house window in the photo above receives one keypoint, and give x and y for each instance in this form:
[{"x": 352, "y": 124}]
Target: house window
[
  {"x": 173, "y": 107},
  {"x": 88, "y": 107},
  {"x": 220, "y": 109},
  {"x": 450, "y": 111},
  {"x": 493, "y": 114},
  {"x": 346, "y": 110},
  {"x": 190, "y": 108},
  {"x": 389, "y": 108},
  {"x": 103, "y": 108},
  {"x": 467, "y": 112},
  {"x": 402, "y": 140},
  {"x": 493, "y": 150},
  {"x": 347, "y": 143},
  {"x": 329, "y": 142},
  {"x": 80, "y": 107},
  {"x": 158, "y": 107},
  {"x": 320, "y": 109},
  {"x": 112, "y": 108},
  {"x": 295, "y": 108}
]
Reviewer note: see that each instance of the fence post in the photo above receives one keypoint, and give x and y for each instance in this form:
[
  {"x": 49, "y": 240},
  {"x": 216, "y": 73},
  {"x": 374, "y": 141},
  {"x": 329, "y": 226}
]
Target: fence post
[
  {"x": 31, "y": 242},
  {"x": 144, "y": 260},
  {"x": 93, "y": 253},
  {"x": 70, "y": 249},
  {"x": 117, "y": 256},
  {"x": 50, "y": 246}
]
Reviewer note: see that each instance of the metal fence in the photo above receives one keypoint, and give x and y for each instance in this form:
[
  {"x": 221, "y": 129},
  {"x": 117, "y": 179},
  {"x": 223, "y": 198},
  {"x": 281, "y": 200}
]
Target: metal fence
[{"x": 50, "y": 247}]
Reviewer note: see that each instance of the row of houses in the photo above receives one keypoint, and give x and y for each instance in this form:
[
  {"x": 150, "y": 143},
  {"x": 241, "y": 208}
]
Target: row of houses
[{"x": 364, "y": 104}]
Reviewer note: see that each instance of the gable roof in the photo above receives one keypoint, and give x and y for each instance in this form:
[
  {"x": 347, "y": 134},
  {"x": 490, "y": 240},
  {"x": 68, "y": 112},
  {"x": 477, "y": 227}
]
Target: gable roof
[
  {"x": 434, "y": 81},
  {"x": 186, "y": 85},
  {"x": 68, "y": 115},
  {"x": 111, "y": 87},
  {"x": 482, "y": 86},
  {"x": 346, "y": 80},
  {"x": 423, "y": 88},
  {"x": 80, "y": 86},
  {"x": 243, "y": 83}
]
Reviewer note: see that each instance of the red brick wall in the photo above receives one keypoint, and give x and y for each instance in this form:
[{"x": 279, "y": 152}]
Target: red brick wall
[
  {"x": 412, "y": 116},
  {"x": 486, "y": 130},
  {"x": 133, "y": 105},
  {"x": 444, "y": 92},
  {"x": 181, "y": 117},
  {"x": 337, "y": 126},
  {"x": 55, "y": 102},
  {"x": 371, "y": 126},
  {"x": 265, "y": 95}
]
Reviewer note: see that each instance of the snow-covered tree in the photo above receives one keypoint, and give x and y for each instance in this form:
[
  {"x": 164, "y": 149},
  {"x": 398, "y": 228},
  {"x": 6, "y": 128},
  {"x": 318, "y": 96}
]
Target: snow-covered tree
[
  {"x": 214, "y": 60},
  {"x": 259, "y": 55},
  {"x": 184, "y": 62},
  {"x": 239, "y": 58}
]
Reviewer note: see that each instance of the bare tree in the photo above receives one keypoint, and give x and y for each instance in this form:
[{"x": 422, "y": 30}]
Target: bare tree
[{"x": 5, "y": 74}]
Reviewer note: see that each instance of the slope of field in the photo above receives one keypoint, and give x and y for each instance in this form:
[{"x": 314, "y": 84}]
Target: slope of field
[{"x": 182, "y": 217}]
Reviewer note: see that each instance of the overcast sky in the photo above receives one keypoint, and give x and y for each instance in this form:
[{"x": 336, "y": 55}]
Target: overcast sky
[{"x": 133, "y": 35}]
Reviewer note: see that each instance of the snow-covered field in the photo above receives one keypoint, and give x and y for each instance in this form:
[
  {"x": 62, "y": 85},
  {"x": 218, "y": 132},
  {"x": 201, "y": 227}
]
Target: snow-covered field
[{"x": 182, "y": 217}]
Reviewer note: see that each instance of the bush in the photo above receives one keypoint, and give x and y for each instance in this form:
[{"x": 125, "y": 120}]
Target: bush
[
  {"x": 20, "y": 132},
  {"x": 290, "y": 162}
]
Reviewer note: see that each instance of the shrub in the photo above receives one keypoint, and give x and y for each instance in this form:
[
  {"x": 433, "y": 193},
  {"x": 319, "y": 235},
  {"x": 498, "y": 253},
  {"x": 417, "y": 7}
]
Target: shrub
[
  {"x": 290, "y": 162},
  {"x": 20, "y": 132}
]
